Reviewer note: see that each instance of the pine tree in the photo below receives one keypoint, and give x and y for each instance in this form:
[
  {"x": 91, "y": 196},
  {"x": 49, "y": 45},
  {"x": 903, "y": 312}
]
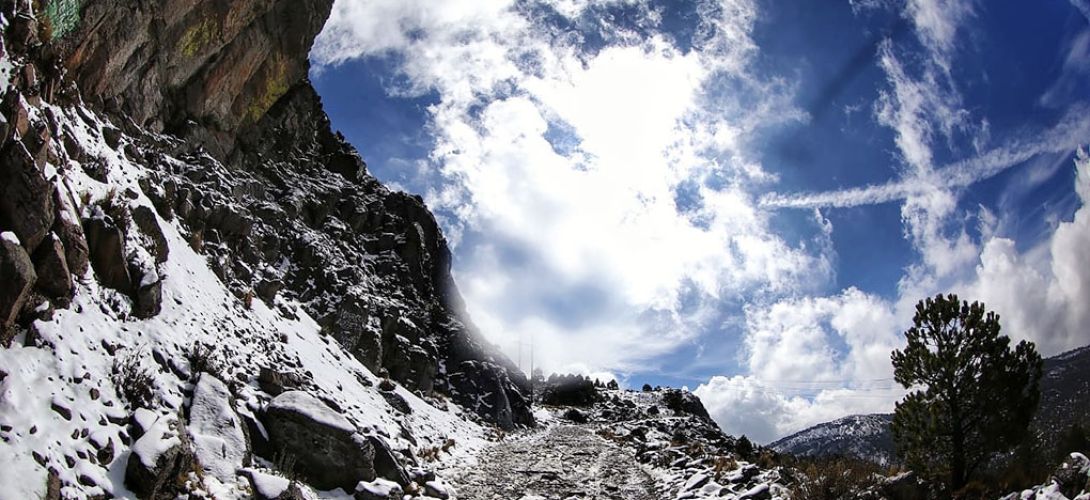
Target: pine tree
[{"x": 973, "y": 397}]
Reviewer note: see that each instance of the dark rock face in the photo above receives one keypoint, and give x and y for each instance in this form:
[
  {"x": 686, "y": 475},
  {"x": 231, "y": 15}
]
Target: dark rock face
[
  {"x": 328, "y": 452},
  {"x": 106, "y": 246},
  {"x": 18, "y": 276},
  {"x": 385, "y": 463},
  {"x": 263, "y": 181},
  {"x": 222, "y": 64},
  {"x": 474, "y": 379},
  {"x": 52, "y": 267},
  {"x": 66, "y": 226},
  {"x": 26, "y": 198}
]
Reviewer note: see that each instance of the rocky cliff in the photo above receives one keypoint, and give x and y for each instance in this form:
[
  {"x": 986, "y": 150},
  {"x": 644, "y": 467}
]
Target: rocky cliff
[{"x": 171, "y": 193}]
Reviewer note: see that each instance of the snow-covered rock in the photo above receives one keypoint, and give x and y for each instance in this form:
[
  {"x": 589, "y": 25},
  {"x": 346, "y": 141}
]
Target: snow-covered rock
[{"x": 218, "y": 438}]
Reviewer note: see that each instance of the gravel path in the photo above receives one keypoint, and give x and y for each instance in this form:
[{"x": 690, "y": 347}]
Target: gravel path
[{"x": 561, "y": 462}]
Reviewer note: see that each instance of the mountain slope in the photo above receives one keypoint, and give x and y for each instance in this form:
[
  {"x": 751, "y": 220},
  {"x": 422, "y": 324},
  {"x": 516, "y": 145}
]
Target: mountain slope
[
  {"x": 195, "y": 270},
  {"x": 1065, "y": 400},
  {"x": 861, "y": 436}
]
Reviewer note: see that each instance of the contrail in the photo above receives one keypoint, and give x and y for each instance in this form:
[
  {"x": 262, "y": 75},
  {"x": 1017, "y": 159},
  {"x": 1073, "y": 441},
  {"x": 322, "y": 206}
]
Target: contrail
[{"x": 1072, "y": 132}]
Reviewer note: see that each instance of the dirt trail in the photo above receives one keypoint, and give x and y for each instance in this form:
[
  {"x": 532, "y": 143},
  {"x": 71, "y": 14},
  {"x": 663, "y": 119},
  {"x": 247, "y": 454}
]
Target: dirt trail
[{"x": 561, "y": 462}]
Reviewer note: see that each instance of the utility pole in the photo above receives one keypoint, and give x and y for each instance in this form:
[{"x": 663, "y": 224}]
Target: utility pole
[{"x": 531, "y": 368}]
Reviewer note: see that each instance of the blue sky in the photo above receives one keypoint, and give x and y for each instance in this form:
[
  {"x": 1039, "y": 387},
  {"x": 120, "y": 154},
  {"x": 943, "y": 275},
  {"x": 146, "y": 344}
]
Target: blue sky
[{"x": 745, "y": 197}]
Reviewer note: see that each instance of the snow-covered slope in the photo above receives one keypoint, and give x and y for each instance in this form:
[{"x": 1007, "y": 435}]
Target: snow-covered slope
[
  {"x": 866, "y": 437},
  {"x": 63, "y": 403}
]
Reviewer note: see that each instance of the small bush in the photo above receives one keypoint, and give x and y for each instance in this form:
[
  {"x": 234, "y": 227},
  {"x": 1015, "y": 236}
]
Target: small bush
[
  {"x": 202, "y": 359},
  {"x": 833, "y": 478},
  {"x": 133, "y": 381}
]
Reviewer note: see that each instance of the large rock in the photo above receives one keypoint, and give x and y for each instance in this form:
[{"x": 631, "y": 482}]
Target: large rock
[
  {"x": 18, "y": 278},
  {"x": 223, "y": 63},
  {"x": 107, "y": 251},
  {"x": 161, "y": 456},
  {"x": 327, "y": 451},
  {"x": 484, "y": 388},
  {"x": 52, "y": 267},
  {"x": 148, "y": 298},
  {"x": 352, "y": 326},
  {"x": 67, "y": 227},
  {"x": 26, "y": 197},
  {"x": 148, "y": 224},
  {"x": 385, "y": 462},
  {"x": 218, "y": 438}
]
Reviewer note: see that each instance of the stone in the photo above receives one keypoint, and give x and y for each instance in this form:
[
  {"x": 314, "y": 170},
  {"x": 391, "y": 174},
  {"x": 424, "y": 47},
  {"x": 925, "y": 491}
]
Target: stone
[
  {"x": 385, "y": 463},
  {"x": 159, "y": 457},
  {"x": 219, "y": 441},
  {"x": 112, "y": 136},
  {"x": 379, "y": 489},
  {"x": 327, "y": 451},
  {"x": 575, "y": 415},
  {"x": 904, "y": 486},
  {"x": 106, "y": 247},
  {"x": 18, "y": 275},
  {"x": 50, "y": 264},
  {"x": 148, "y": 299},
  {"x": 26, "y": 197},
  {"x": 396, "y": 402},
  {"x": 67, "y": 227},
  {"x": 270, "y": 487},
  {"x": 148, "y": 224}
]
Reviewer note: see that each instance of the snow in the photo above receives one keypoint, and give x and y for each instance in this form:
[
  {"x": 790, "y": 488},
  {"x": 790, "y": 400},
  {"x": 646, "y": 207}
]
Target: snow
[
  {"x": 218, "y": 438},
  {"x": 268, "y": 485},
  {"x": 309, "y": 406},
  {"x": 380, "y": 487},
  {"x": 77, "y": 350},
  {"x": 158, "y": 439},
  {"x": 10, "y": 237}
]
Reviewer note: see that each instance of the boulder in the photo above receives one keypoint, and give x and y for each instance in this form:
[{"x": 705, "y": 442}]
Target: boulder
[
  {"x": 575, "y": 416},
  {"x": 148, "y": 300},
  {"x": 479, "y": 386},
  {"x": 385, "y": 462},
  {"x": 351, "y": 327},
  {"x": 67, "y": 227},
  {"x": 52, "y": 268},
  {"x": 219, "y": 441},
  {"x": 904, "y": 486},
  {"x": 1073, "y": 475},
  {"x": 106, "y": 246},
  {"x": 161, "y": 455},
  {"x": 26, "y": 197},
  {"x": 18, "y": 276},
  {"x": 379, "y": 489},
  {"x": 270, "y": 487},
  {"x": 327, "y": 451},
  {"x": 146, "y": 221}
]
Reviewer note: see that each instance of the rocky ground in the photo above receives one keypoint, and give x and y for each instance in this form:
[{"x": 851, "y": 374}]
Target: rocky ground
[
  {"x": 560, "y": 462},
  {"x": 625, "y": 445}
]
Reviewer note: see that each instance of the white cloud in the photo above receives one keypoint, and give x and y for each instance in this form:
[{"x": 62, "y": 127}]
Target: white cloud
[
  {"x": 1041, "y": 295},
  {"x": 570, "y": 159},
  {"x": 810, "y": 360}
]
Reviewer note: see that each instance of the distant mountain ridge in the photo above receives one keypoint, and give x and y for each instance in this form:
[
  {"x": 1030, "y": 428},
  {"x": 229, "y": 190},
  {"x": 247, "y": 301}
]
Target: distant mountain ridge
[
  {"x": 1065, "y": 400},
  {"x": 861, "y": 436}
]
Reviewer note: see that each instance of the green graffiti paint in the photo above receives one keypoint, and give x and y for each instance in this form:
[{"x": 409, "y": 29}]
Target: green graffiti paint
[{"x": 63, "y": 17}]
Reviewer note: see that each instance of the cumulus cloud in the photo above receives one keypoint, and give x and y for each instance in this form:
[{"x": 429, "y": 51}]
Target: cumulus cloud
[
  {"x": 613, "y": 182},
  {"x": 810, "y": 359},
  {"x": 598, "y": 177}
]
